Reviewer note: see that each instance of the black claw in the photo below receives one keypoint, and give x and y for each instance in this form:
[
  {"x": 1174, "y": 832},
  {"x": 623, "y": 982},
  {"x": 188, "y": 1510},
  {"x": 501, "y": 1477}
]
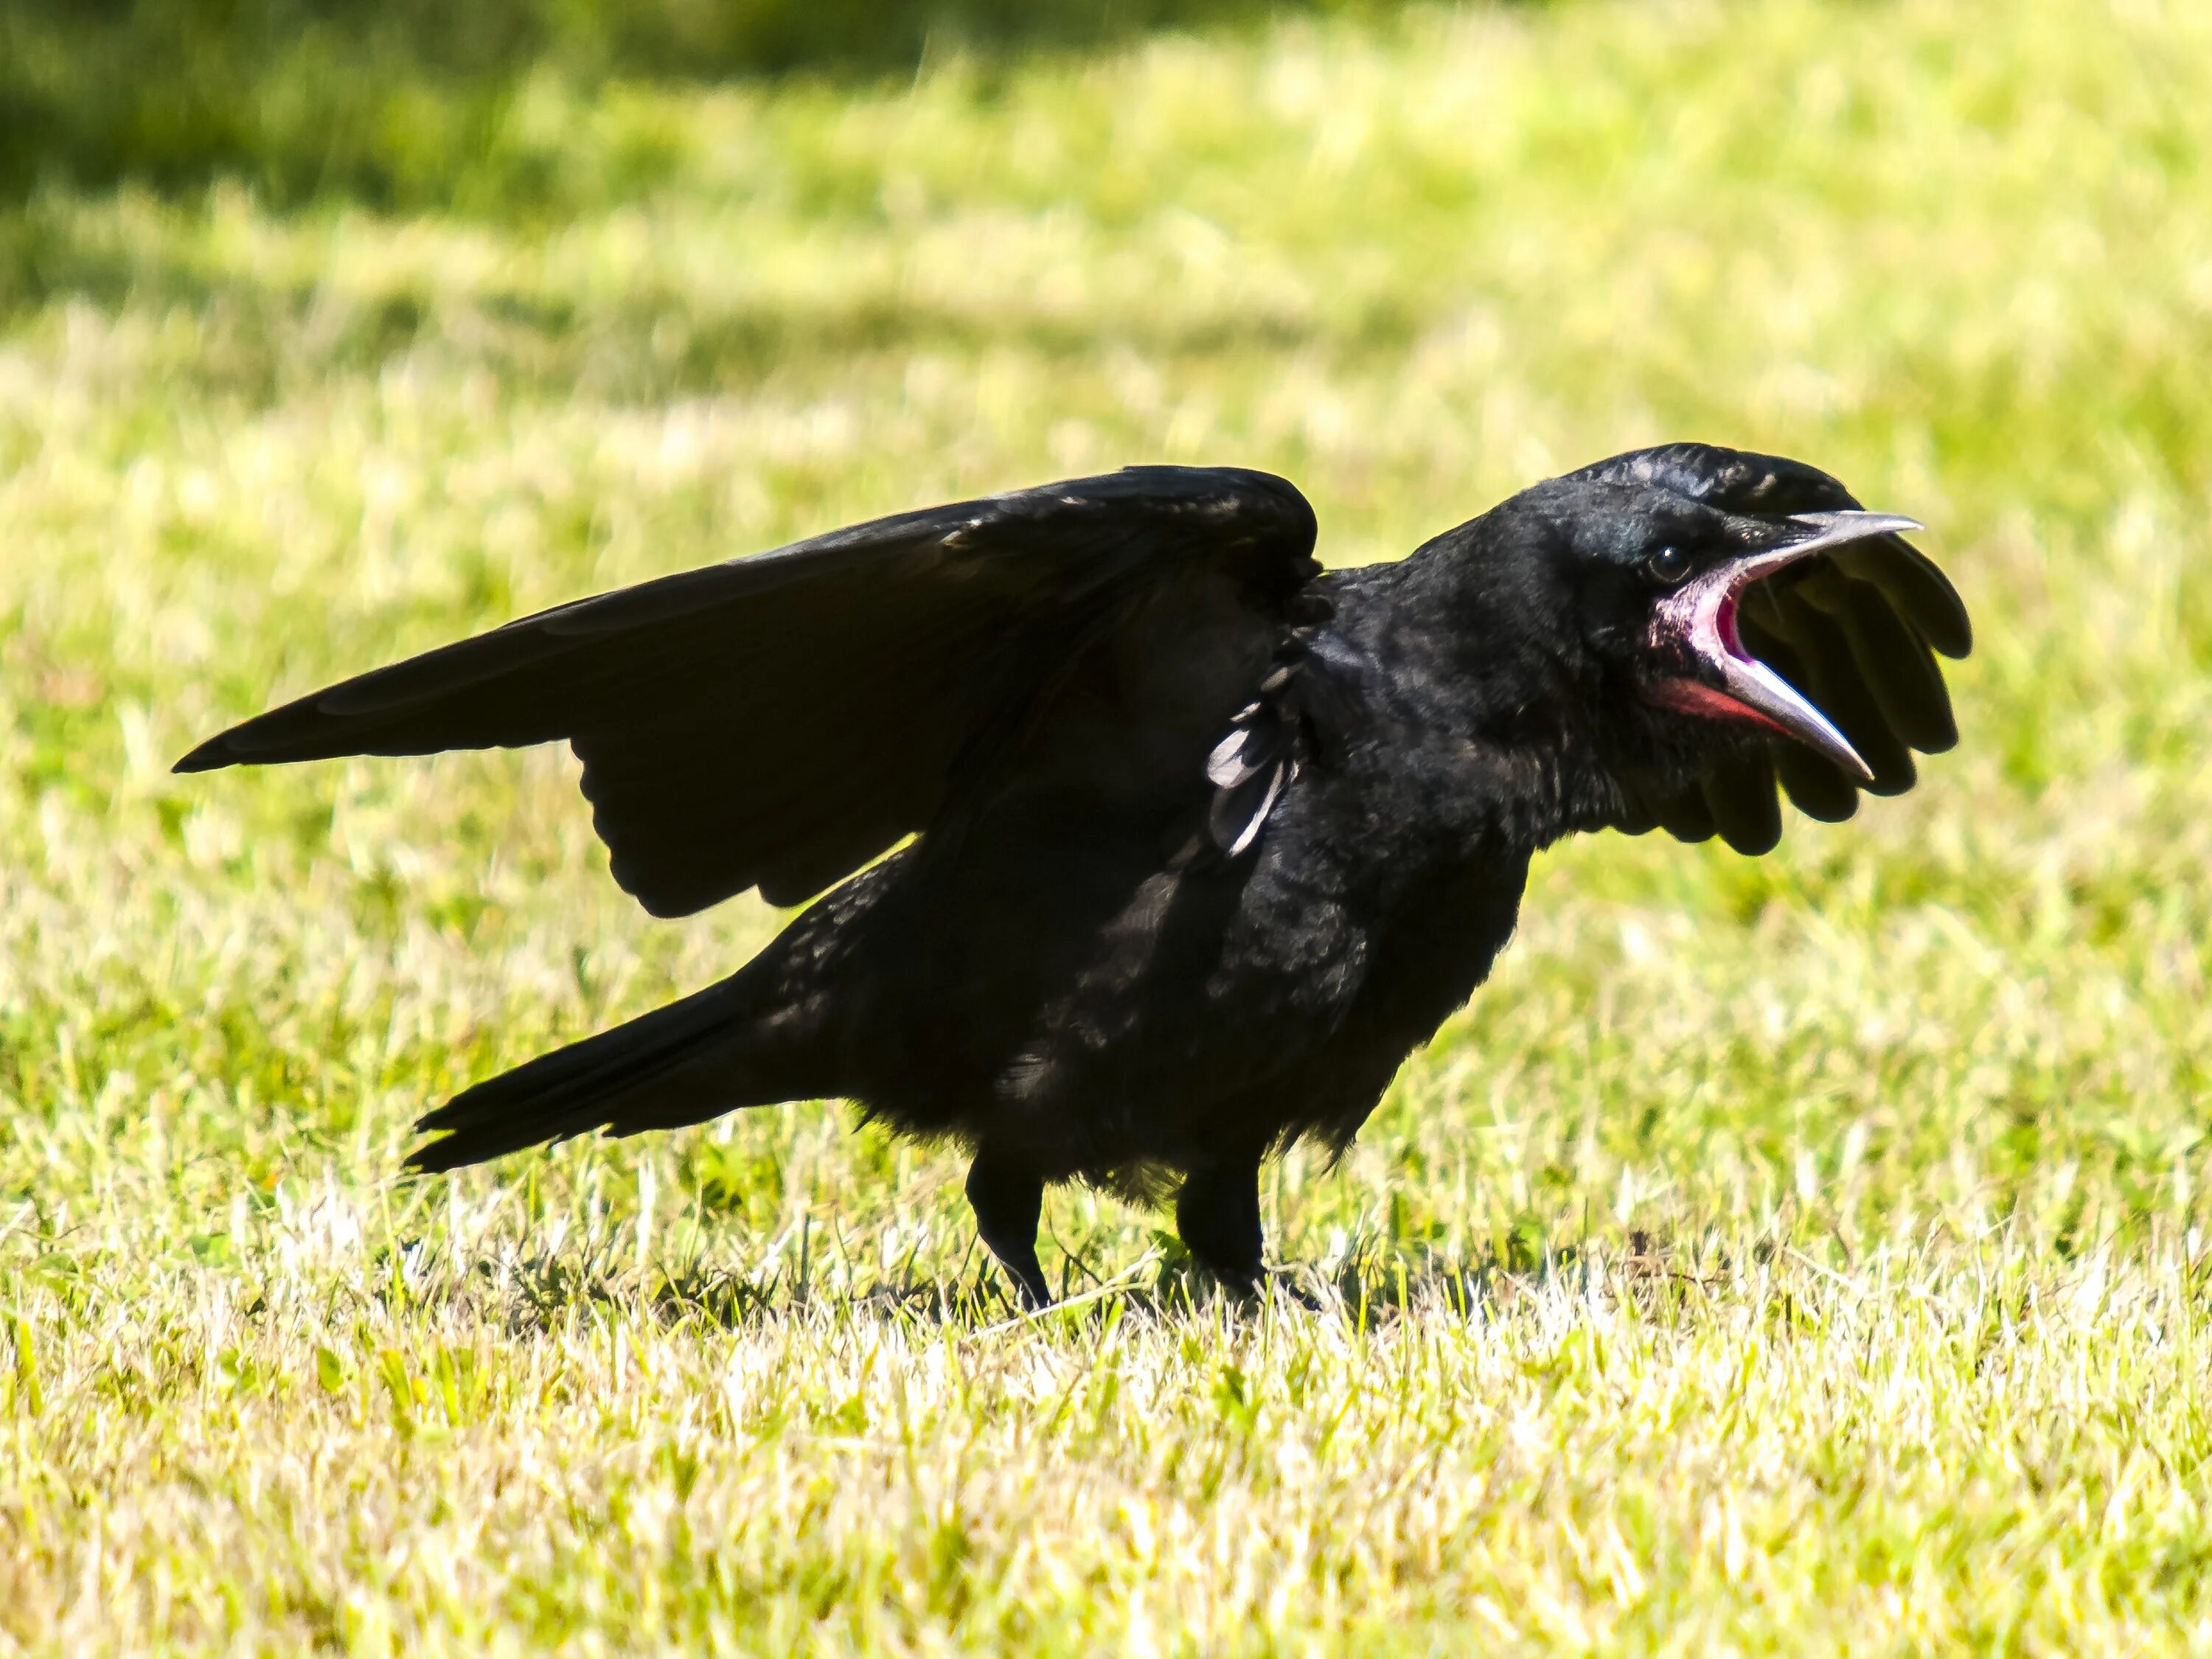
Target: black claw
[
  {"x": 1007, "y": 1198},
  {"x": 1218, "y": 1217}
]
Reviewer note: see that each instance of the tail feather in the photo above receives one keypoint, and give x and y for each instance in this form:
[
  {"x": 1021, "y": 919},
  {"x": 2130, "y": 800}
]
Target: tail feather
[{"x": 691, "y": 1060}]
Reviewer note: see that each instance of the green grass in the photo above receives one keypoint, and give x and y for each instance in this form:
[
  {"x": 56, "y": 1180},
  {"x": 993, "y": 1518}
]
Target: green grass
[
  {"x": 1778, "y": 1255},
  {"x": 424, "y": 103}
]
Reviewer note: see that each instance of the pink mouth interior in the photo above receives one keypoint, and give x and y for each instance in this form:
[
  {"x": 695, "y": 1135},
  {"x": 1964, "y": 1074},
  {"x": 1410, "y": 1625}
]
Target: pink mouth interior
[
  {"x": 1698, "y": 629},
  {"x": 1695, "y": 697},
  {"x": 1724, "y": 625}
]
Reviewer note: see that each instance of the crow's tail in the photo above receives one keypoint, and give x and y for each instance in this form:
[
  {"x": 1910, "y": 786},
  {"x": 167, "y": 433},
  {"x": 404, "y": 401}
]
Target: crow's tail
[{"x": 709, "y": 1054}]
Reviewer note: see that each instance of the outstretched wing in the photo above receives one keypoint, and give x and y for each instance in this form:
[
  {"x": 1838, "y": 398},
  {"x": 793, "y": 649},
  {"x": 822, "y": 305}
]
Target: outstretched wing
[
  {"x": 1857, "y": 630},
  {"x": 778, "y": 720}
]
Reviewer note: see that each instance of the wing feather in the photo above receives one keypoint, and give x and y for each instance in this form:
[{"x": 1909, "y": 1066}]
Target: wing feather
[
  {"x": 1740, "y": 792},
  {"x": 778, "y": 720}
]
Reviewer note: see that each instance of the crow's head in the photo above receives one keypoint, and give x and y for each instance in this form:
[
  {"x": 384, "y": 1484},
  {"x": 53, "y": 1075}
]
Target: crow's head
[{"x": 1737, "y": 616}]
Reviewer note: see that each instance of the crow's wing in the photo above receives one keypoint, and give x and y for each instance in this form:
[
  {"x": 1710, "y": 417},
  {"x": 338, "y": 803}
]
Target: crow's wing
[
  {"x": 1857, "y": 630},
  {"x": 779, "y": 720}
]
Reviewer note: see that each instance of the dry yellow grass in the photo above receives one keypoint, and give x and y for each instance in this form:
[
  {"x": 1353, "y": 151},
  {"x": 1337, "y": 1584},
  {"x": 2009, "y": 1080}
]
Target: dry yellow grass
[{"x": 1778, "y": 1255}]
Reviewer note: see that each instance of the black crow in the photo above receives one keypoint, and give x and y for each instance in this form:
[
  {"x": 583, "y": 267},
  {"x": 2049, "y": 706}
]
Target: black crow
[{"x": 1190, "y": 843}]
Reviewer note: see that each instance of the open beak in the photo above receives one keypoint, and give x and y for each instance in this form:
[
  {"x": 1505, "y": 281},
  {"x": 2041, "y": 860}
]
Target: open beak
[{"x": 1695, "y": 626}]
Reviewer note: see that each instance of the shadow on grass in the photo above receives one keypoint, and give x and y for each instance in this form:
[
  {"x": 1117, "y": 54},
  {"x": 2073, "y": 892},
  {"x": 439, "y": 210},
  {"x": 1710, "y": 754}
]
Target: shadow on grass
[
  {"x": 1366, "y": 1289},
  {"x": 253, "y": 332}
]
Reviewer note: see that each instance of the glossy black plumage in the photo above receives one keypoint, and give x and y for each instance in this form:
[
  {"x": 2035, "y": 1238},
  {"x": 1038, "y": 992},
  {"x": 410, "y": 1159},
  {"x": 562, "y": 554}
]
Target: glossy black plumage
[{"x": 1207, "y": 840}]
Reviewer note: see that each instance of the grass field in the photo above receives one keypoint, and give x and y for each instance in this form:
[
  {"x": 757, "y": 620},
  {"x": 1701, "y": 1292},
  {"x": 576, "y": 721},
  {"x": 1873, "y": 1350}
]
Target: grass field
[{"x": 1778, "y": 1255}]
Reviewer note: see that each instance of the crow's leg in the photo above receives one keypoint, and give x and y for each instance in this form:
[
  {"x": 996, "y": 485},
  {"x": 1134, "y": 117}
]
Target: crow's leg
[
  {"x": 1007, "y": 1198},
  {"x": 1218, "y": 1214}
]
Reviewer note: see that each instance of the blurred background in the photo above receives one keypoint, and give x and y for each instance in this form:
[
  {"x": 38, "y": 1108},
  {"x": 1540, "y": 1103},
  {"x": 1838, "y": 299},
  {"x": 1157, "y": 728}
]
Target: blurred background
[
  {"x": 330, "y": 331},
  {"x": 409, "y": 102}
]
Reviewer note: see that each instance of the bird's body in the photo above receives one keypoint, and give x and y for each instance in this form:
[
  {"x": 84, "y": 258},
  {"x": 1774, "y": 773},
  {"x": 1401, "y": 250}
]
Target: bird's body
[{"x": 1206, "y": 840}]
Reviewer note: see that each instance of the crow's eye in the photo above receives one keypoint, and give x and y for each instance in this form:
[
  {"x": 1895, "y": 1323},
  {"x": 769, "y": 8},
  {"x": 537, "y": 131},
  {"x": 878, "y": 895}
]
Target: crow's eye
[{"x": 1668, "y": 565}]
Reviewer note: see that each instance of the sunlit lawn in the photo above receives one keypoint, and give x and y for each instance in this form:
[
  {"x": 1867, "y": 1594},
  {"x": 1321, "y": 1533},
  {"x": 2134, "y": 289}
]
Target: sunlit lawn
[{"x": 1785, "y": 1255}]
